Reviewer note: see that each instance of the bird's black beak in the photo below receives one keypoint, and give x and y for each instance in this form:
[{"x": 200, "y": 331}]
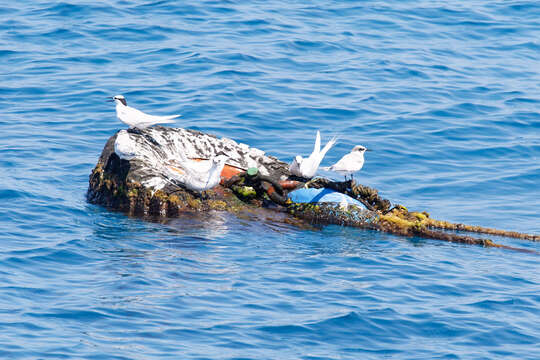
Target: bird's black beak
[
  {"x": 110, "y": 99},
  {"x": 369, "y": 150}
]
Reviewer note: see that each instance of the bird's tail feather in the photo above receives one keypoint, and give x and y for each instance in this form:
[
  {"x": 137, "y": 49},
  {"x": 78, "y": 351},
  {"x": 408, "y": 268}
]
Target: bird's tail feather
[{"x": 169, "y": 119}]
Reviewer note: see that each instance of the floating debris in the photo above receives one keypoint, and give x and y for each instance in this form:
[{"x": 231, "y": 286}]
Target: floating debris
[{"x": 136, "y": 181}]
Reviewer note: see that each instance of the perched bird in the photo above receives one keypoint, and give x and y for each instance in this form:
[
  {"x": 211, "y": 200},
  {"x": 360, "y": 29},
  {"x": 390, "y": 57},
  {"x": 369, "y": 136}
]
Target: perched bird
[
  {"x": 198, "y": 176},
  {"x": 124, "y": 146},
  {"x": 307, "y": 168},
  {"x": 136, "y": 118},
  {"x": 350, "y": 163}
]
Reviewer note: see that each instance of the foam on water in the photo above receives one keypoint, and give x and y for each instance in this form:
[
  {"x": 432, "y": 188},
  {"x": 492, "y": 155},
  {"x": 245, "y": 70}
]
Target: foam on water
[{"x": 446, "y": 93}]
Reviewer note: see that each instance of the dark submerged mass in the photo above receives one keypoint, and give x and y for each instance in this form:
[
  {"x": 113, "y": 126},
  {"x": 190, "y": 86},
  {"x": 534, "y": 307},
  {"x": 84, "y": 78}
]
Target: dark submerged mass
[{"x": 128, "y": 186}]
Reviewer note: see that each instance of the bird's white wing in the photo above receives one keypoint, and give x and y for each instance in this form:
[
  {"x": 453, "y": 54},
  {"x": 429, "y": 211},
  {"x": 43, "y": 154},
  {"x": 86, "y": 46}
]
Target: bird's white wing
[
  {"x": 191, "y": 178},
  {"x": 344, "y": 163},
  {"x": 143, "y": 118},
  {"x": 213, "y": 173},
  {"x": 316, "y": 160},
  {"x": 309, "y": 165},
  {"x": 134, "y": 113},
  {"x": 317, "y": 146},
  {"x": 328, "y": 146},
  {"x": 196, "y": 167},
  {"x": 204, "y": 180}
]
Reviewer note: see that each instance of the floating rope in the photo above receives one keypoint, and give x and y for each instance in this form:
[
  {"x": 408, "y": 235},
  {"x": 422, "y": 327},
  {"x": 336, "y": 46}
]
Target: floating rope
[
  {"x": 445, "y": 225},
  {"x": 397, "y": 219}
]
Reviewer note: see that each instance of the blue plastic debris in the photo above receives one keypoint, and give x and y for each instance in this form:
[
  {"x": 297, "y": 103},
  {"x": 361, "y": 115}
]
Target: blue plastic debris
[{"x": 322, "y": 196}]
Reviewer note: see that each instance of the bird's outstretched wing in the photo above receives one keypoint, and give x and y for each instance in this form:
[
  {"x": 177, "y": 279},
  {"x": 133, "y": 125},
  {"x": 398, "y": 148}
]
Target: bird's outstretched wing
[
  {"x": 328, "y": 146},
  {"x": 321, "y": 155},
  {"x": 309, "y": 167},
  {"x": 317, "y": 146}
]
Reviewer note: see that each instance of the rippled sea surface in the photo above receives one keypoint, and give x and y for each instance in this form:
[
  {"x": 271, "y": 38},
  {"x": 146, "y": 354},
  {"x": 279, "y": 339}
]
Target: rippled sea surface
[{"x": 447, "y": 93}]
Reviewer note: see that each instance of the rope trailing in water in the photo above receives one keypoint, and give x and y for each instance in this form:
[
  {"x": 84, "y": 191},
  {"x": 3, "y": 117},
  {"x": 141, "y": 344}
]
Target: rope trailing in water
[
  {"x": 380, "y": 216},
  {"x": 398, "y": 220},
  {"x": 445, "y": 225},
  {"x": 370, "y": 197}
]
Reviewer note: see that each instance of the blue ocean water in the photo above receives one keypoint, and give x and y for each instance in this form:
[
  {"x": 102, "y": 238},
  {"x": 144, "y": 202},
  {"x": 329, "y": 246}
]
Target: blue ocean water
[{"x": 446, "y": 93}]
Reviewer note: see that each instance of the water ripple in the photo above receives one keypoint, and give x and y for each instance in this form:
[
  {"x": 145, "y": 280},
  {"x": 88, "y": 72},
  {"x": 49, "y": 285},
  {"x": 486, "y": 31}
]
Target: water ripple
[{"x": 445, "y": 93}]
